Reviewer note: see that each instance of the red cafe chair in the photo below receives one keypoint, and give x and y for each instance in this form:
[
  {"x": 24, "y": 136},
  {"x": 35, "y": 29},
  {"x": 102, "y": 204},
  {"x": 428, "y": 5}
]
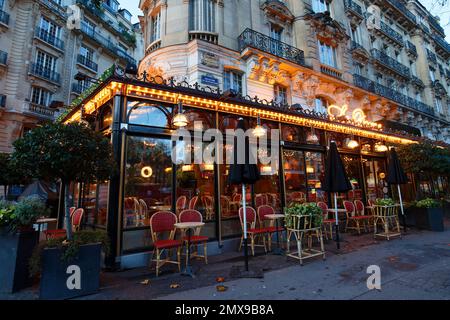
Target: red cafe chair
[
  {"x": 190, "y": 215},
  {"x": 327, "y": 222},
  {"x": 252, "y": 232},
  {"x": 193, "y": 202},
  {"x": 353, "y": 218},
  {"x": 262, "y": 212}
]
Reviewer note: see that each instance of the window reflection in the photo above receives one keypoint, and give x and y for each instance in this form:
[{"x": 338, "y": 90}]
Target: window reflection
[
  {"x": 352, "y": 168},
  {"x": 375, "y": 175},
  {"x": 145, "y": 114},
  {"x": 315, "y": 173},
  {"x": 294, "y": 177}
]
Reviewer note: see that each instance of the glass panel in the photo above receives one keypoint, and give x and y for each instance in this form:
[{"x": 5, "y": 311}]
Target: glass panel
[
  {"x": 267, "y": 189},
  {"x": 315, "y": 172},
  {"x": 375, "y": 175},
  {"x": 294, "y": 176},
  {"x": 147, "y": 114},
  {"x": 89, "y": 203},
  {"x": 352, "y": 168}
]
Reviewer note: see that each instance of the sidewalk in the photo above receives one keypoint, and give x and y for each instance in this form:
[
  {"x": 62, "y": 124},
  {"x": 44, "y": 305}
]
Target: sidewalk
[{"x": 415, "y": 267}]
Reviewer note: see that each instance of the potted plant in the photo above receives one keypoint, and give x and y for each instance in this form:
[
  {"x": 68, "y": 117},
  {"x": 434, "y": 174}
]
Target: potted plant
[
  {"x": 68, "y": 153},
  {"x": 302, "y": 211},
  {"x": 66, "y": 268},
  {"x": 385, "y": 202},
  {"x": 17, "y": 241},
  {"x": 428, "y": 214}
]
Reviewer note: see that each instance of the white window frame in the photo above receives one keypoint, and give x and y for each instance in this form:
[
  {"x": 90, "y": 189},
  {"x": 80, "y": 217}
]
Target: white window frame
[
  {"x": 320, "y": 6},
  {"x": 202, "y": 15},
  {"x": 327, "y": 54},
  {"x": 233, "y": 80},
  {"x": 280, "y": 94},
  {"x": 155, "y": 27},
  {"x": 41, "y": 96}
]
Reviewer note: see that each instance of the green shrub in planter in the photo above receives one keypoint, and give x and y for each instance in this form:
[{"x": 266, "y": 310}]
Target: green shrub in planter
[
  {"x": 304, "y": 209},
  {"x": 429, "y": 214},
  {"x": 384, "y": 202},
  {"x": 428, "y": 203}
]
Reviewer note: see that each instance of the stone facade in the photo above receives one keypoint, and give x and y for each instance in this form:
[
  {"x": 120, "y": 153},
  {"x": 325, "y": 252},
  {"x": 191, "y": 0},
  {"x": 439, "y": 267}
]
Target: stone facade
[
  {"x": 43, "y": 50},
  {"x": 313, "y": 52}
]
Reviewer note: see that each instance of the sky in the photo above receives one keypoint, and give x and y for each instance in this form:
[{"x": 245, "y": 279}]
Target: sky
[{"x": 431, "y": 5}]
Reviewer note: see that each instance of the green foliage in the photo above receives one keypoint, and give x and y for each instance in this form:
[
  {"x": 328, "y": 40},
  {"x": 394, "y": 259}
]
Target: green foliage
[
  {"x": 69, "y": 249},
  {"x": 9, "y": 173},
  {"x": 21, "y": 214},
  {"x": 71, "y": 152},
  {"x": 304, "y": 209},
  {"x": 6, "y": 214},
  {"x": 384, "y": 202},
  {"x": 428, "y": 203}
]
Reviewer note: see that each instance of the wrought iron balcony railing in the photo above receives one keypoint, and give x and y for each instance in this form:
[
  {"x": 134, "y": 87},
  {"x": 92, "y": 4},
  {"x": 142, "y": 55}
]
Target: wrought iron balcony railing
[
  {"x": 415, "y": 80},
  {"x": 391, "y": 94},
  {"x": 411, "y": 48},
  {"x": 257, "y": 40},
  {"x": 442, "y": 43},
  {"x": 3, "y": 57},
  {"x": 45, "y": 36},
  {"x": 4, "y": 17},
  {"x": 78, "y": 88},
  {"x": 106, "y": 43},
  {"x": 87, "y": 63},
  {"x": 436, "y": 25},
  {"x": 425, "y": 28},
  {"x": 356, "y": 46},
  {"x": 353, "y": 7},
  {"x": 402, "y": 8},
  {"x": 447, "y": 73},
  {"x": 2, "y": 100},
  {"x": 391, "y": 33},
  {"x": 431, "y": 56},
  {"x": 45, "y": 73},
  {"x": 391, "y": 63},
  {"x": 54, "y": 7}
]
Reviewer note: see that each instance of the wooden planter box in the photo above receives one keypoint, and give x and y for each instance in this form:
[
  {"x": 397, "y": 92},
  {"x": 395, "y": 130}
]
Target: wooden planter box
[
  {"x": 430, "y": 219},
  {"x": 15, "y": 253},
  {"x": 56, "y": 273}
]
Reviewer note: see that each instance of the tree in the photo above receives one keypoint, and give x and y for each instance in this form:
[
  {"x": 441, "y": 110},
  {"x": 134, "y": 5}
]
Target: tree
[
  {"x": 69, "y": 153},
  {"x": 9, "y": 174}
]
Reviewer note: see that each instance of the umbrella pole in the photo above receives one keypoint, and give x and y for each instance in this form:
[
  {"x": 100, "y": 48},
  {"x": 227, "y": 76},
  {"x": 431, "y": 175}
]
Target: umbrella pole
[
  {"x": 337, "y": 221},
  {"x": 244, "y": 219},
  {"x": 401, "y": 207}
]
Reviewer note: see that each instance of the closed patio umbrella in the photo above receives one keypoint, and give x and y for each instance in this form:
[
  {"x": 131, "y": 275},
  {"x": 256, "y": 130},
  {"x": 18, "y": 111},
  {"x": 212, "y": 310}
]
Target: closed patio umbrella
[
  {"x": 397, "y": 176},
  {"x": 246, "y": 172},
  {"x": 335, "y": 180}
]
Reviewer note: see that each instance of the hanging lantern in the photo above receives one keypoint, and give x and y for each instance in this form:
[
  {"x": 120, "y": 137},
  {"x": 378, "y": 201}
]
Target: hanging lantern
[
  {"x": 352, "y": 143},
  {"x": 180, "y": 119},
  {"x": 380, "y": 147},
  {"x": 312, "y": 138},
  {"x": 259, "y": 130}
]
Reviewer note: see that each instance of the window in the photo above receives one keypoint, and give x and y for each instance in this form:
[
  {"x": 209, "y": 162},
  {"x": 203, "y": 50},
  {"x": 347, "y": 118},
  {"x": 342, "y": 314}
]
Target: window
[
  {"x": 156, "y": 27},
  {"x": 327, "y": 54},
  {"x": 320, "y": 6},
  {"x": 276, "y": 31},
  {"x": 280, "y": 94},
  {"x": 357, "y": 68},
  {"x": 87, "y": 53},
  {"x": 431, "y": 73},
  {"x": 418, "y": 96},
  {"x": 45, "y": 61},
  {"x": 321, "y": 104},
  {"x": 232, "y": 81},
  {"x": 202, "y": 15},
  {"x": 438, "y": 104},
  {"x": 41, "y": 96},
  {"x": 49, "y": 28},
  {"x": 112, "y": 4},
  {"x": 412, "y": 67}
]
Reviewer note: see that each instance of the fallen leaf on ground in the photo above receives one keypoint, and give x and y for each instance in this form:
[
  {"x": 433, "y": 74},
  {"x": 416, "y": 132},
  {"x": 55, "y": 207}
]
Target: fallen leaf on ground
[
  {"x": 220, "y": 279},
  {"x": 174, "y": 286},
  {"x": 145, "y": 282},
  {"x": 221, "y": 288}
]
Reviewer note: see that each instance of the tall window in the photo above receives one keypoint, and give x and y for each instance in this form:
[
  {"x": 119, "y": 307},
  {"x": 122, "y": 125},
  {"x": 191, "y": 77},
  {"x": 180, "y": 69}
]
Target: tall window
[
  {"x": 320, "y": 6},
  {"x": 438, "y": 104},
  {"x": 321, "y": 104},
  {"x": 327, "y": 54},
  {"x": 87, "y": 53},
  {"x": 41, "y": 96},
  {"x": 45, "y": 61},
  {"x": 49, "y": 28},
  {"x": 202, "y": 15},
  {"x": 276, "y": 31},
  {"x": 431, "y": 73},
  {"x": 280, "y": 94},
  {"x": 156, "y": 27},
  {"x": 232, "y": 81}
]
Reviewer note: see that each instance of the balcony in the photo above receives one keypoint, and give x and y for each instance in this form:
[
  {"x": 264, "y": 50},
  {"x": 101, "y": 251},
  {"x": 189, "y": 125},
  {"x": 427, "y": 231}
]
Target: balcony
[
  {"x": 204, "y": 36},
  {"x": 4, "y": 18},
  {"x": 425, "y": 28},
  {"x": 3, "y": 58},
  {"x": 391, "y": 94},
  {"x": 392, "y": 35},
  {"x": 45, "y": 73},
  {"x": 41, "y": 111},
  {"x": 2, "y": 100},
  {"x": 333, "y": 72},
  {"x": 78, "y": 88},
  {"x": 447, "y": 74},
  {"x": 354, "y": 12},
  {"x": 443, "y": 47},
  {"x": 54, "y": 7},
  {"x": 87, "y": 63},
  {"x": 112, "y": 48},
  {"x": 383, "y": 59},
  {"x": 45, "y": 36},
  {"x": 434, "y": 24},
  {"x": 259, "y": 41},
  {"x": 431, "y": 56},
  {"x": 417, "y": 82},
  {"x": 358, "y": 51},
  {"x": 403, "y": 10},
  {"x": 411, "y": 49}
]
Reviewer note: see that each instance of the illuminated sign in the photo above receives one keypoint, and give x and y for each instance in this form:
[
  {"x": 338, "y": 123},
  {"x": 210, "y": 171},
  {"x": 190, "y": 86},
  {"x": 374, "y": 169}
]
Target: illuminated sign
[{"x": 358, "y": 116}]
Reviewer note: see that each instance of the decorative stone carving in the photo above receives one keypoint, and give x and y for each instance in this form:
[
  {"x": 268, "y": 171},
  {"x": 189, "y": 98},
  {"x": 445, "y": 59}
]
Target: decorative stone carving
[
  {"x": 253, "y": 67},
  {"x": 297, "y": 82},
  {"x": 327, "y": 29},
  {"x": 309, "y": 89},
  {"x": 278, "y": 10},
  {"x": 265, "y": 69},
  {"x": 344, "y": 96}
]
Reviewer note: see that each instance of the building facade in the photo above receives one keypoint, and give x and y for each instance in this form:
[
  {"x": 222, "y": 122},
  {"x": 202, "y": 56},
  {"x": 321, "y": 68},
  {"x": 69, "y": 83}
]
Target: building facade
[
  {"x": 48, "y": 56},
  {"x": 390, "y": 60}
]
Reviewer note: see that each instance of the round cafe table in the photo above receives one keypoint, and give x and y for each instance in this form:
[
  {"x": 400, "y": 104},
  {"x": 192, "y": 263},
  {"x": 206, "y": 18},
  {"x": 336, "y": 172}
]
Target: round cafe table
[
  {"x": 276, "y": 217},
  {"x": 187, "y": 270},
  {"x": 42, "y": 221},
  {"x": 340, "y": 211}
]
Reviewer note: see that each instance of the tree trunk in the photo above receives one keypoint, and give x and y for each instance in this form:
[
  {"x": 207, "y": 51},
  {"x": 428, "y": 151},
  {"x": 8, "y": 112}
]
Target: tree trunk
[{"x": 67, "y": 210}]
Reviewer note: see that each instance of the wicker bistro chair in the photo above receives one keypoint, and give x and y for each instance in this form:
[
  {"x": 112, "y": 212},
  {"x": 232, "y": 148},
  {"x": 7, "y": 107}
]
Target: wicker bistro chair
[
  {"x": 361, "y": 211},
  {"x": 302, "y": 228},
  {"x": 270, "y": 228},
  {"x": 354, "y": 221},
  {"x": 163, "y": 222},
  {"x": 388, "y": 217},
  {"x": 181, "y": 204},
  {"x": 252, "y": 232},
  {"x": 327, "y": 222},
  {"x": 190, "y": 215},
  {"x": 208, "y": 203},
  {"x": 193, "y": 203},
  {"x": 76, "y": 217}
]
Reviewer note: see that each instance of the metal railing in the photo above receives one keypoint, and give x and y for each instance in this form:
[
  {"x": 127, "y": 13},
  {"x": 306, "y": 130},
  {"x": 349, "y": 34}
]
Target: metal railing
[
  {"x": 4, "y": 17},
  {"x": 402, "y": 8},
  {"x": 431, "y": 56},
  {"x": 444, "y": 44},
  {"x": 3, "y": 57},
  {"x": 45, "y": 36},
  {"x": 391, "y": 94},
  {"x": 106, "y": 43},
  {"x": 353, "y": 7},
  {"x": 447, "y": 73},
  {"x": 356, "y": 46},
  {"x": 78, "y": 88},
  {"x": 411, "y": 48},
  {"x": 435, "y": 25},
  {"x": 54, "y": 7},
  {"x": 87, "y": 63},
  {"x": 391, "y": 33},
  {"x": 391, "y": 63},
  {"x": 425, "y": 28},
  {"x": 257, "y": 40},
  {"x": 417, "y": 81},
  {"x": 46, "y": 73},
  {"x": 2, "y": 100}
]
